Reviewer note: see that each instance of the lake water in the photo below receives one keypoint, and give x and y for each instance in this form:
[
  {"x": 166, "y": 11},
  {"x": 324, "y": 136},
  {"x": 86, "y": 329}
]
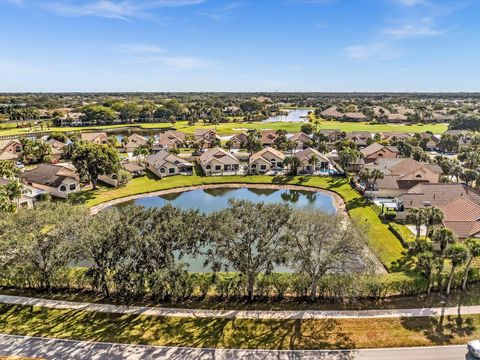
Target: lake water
[
  {"x": 297, "y": 115},
  {"x": 208, "y": 200}
]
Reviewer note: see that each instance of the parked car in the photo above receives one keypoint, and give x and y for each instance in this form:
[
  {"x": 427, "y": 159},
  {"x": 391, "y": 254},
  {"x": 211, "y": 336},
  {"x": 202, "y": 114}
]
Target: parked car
[
  {"x": 19, "y": 165},
  {"x": 474, "y": 348}
]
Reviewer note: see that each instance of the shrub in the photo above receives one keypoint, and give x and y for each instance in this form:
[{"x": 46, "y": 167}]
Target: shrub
[{"x": 389, "y": 215}]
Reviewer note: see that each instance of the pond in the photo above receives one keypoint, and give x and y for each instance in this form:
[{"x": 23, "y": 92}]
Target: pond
[
  {"x": 208, "y": 200},
  {"x": 297, "y": 115}
]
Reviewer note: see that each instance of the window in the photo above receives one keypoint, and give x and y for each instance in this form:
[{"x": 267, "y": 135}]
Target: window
[
  {"x": 418, "y": 176},
  {"x": 380, "y": 155},
  {"x": 208, "y": 167},
  {"x": 171, "y": 170},
  {"x": 162, "y": 170},
  {"x": 254, "y": 166},
  {"x": 63, "y": 188},
  {"x": 218, "y": 167},
  {"x": 263, "y": 167},
  {"x": 18, "y": 149},
  {"x": 73, "y": 187}
]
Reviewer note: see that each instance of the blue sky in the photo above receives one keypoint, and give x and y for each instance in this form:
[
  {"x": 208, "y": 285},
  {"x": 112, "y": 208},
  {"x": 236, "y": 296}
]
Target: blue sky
[{"x": 243, "y": 45}]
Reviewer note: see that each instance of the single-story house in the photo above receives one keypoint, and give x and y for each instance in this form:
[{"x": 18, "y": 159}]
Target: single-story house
[
  {"x": 29, "y": 194},
  {"x": 57, "y": 180},
  {"x": 432, "y": 141},
  {"x": 218, "y": 161},
  {"x": 313, "y": 161},
  {"x": 360, "y": 138},
  {"x": 100, "y": 138},
  {"x": 238, "y": 140},
  {"x": 400, "y": 175},
  {"x": 57, "y": 148},
  {"x": 268, "y": 137},
  {"x": 10, "y": 149},
  {"x": 266, "y": 160},
  {"x": 164, "y": 164},
  {"x": 393, "y": 136},
  {"x": 302, "y": 140},
  {"x": 462, "y": 217},
  {"x": 207, "y": 136},
  {"x": 135, "y": 169},
  {"x": 133, "y": 142},
  {"x": 332, "y": 135},
  {"x": 172, "y": 139},
  {"x": 375, "y": 151}
]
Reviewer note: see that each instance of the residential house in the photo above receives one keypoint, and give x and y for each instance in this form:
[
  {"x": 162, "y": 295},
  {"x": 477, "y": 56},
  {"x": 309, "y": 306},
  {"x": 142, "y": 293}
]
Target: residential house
[
  {"x": 172, "y": 139},
  {"x": 29, "y": 194},
  {"x": 314, "y": 162},
  {"x": 10, "y": 149},
  {"x": 265, "y": 160},
  {"x": 135, "y": 169},
  {"x": 333, "y": 113},
  {"x": 462, "y": 217},
  {"x": 375, "y": 151},
  {"x": 164, "y": 164},
  {"x": 207, "y": 136},
  {"x": 238, "y": 140},
  {"x": 133, "y": 142},
  {"x": 431, "y": 141},
  {"x": 393, "y": 136},
  {"x": 302, "y": 140},
  {"x": 217, "y": 161},
  {"x": 57, "y": 148},
  {"x": 437, "y": 195},
  {"x": 58, "y": 180},
  {"x": 360, "y": 138},
  {"x": 332, "y": 135},
  {"x": 400, "y": 175},
  {"x": 100, "y": 138},
  {"x": 464, "y": 137},
  {"x": 268, "y": 137}
]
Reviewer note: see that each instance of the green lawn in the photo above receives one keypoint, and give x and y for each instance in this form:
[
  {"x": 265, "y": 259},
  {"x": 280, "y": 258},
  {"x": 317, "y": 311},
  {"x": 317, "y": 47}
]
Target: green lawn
[
  {"x": 387, "y": 247},
  {"x": 231, "y": 128},
  {"x": 238, "y": 333}
]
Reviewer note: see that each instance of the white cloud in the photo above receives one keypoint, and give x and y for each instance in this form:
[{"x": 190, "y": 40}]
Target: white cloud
[
  {"x": 116, "y": 9},
  {"x": 423, "y": 27},
  {"x": 220, "y": 13},
  {"x": 373, "y": 51},
  {"x": 139, "y": 48}
]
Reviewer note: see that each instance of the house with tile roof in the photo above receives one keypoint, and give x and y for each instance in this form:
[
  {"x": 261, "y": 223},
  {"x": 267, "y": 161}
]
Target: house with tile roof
[
  {"x": 400, "y": 175},
  {"x": 133, "y": 142},
  {"x": 100, "y": 138},
  {"x": 217, "y": 161},
  {"x": 301, "y": 139},
  {"x": 58, "y": 180},
  {"x": 360, "y": 138},
  {"x": 172, "y": 139},
  {"x": 268, "y": 137},
  {"x": 238, "y": 140},
  {"x": 10, "y": 149},
  {"x": 208, "y": 137},
  {"x": 375, "y": 151},
  {"x": 462, "y": 216},
  {"x": 266, "y": 160},
  {"x": 314, "y": 162},
  {"x": 163, "y": 164}
]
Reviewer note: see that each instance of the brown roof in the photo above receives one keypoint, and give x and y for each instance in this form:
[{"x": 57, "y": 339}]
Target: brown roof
[
  {"x": 132, "y": 167},
  {"x": 92, "y": 136},
  {"x": 462, "y": 216},
  {"x": 268, "y": 137},
  {"x": 217, "y": 154},
  {"x": 375, "y": 147},
  {"x": 164, "y": 157},
  {"x": 438, "y": 195},
  {"x": 5, "y": 143},
  {"x": 300, "y": 136},
  {"x": 308, "y": 153},
  {"x": 261, "y": 153},
  {"x": 46, "y": 174}
]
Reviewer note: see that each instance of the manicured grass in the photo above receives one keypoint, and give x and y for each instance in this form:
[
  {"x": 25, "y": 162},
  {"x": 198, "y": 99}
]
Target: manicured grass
[
  {"x": 387, "y": 247},
  {"x": 238, "y": 333},
  {"x": 231, "y": 127}
]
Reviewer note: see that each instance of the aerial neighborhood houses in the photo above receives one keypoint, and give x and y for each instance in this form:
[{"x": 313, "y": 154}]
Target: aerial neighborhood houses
[
  {"x": 96, "y": 138},
  {"x": 218, "y": 161},
  {"x": 10, "y": 149},
  {"x": 163, "y": 163},
  {"x": 266, "y": 161}
]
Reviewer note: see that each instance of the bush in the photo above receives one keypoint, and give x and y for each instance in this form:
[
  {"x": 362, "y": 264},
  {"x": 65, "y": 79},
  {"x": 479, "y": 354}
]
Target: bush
[
  {"x": 390, "y": 215},
  {"x": 402, "y": 234}
]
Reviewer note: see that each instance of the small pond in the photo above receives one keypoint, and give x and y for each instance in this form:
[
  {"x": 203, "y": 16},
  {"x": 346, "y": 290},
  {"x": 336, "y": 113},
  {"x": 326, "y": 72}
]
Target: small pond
[
  {"x": 207, "y": 200},
  {"x": 297, "y": 115}
]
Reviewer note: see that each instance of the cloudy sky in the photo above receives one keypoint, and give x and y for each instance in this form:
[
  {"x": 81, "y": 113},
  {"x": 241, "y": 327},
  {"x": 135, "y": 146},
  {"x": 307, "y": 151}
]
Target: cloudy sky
[{"x": 243, "y": 45}]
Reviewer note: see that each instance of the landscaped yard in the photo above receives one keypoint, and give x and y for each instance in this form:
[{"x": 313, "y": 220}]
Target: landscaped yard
[
  {"x": 231, "y": 127},
  {"x": 238, "y": 333},
  {"x": 381, "y": 239}
]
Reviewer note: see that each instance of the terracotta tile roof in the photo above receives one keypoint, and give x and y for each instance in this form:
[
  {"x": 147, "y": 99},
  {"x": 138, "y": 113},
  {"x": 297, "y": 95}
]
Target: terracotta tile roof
[
  {"x": 265, "y": 151},
  {"x": 92, "y": 136},
  {"x": 462, "y": 216},
  {"x": 164, "y": 157},
  {"x": 5, "y": 143},
  {"x": 219, "y": 155},
  {"x": 374, "y": 147},
  {"x": 300, "y": 136},
  {"x": 307, "y": 154},
  {"x": 438, "y": 195}
]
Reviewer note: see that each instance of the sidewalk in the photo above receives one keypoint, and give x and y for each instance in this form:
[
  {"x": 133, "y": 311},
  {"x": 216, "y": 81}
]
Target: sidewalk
[{"x": 240, "y": 314}]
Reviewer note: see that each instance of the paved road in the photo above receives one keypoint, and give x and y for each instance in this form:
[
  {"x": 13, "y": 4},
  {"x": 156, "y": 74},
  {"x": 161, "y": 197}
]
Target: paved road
[
  {"x": 53, "y": 349},
  {"x": 240, "y": 314}
]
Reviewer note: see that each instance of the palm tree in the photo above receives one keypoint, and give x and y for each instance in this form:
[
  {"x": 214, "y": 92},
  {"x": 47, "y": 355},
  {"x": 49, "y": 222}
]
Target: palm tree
[
  {"x": 434, "y": 216},
  {"x": 458, "y": 255},
  {"x": 293, "y": 163},
  {"x": 417, "y": 218},
  {"x": 14, "y": 191},
  {"x": 376, "y": 175},
  {"x": 473, "y": 246},
  {"x": 365, "y": 175},
  {"x": 444, "y": 237},
  {"x": 313, "y": 161},
  {"x": 426, "y": 265}
]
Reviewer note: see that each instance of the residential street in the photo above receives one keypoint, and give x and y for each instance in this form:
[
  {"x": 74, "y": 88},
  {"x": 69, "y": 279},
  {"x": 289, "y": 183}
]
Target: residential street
[{"x": 43, "y": 348}]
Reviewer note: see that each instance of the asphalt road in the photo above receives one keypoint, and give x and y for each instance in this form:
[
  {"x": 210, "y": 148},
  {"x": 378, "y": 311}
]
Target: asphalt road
[{"x": 43, "y": 348}]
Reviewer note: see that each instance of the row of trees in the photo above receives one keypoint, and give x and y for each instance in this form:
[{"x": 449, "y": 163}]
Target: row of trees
[{"x": 132, "y": 250}]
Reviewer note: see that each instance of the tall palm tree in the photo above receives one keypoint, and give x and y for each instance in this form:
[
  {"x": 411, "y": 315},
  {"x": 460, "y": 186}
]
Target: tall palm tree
[
  {"x": 473, "y": 246},
  {"x": 313, "y": 161},
  {"x": 376, "y": 175},
  {"x": 365, "y": 175},
  {"x": 444, "y": 237},
  {"x": 434, "y": 216},
  {"x": 417, "y": 218},
  {"x": 293, "y": 163},
  {"x": 426, "y": 265},
  {"x": 458, "y": 255},
  {"x": 14, "y": 191}
]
